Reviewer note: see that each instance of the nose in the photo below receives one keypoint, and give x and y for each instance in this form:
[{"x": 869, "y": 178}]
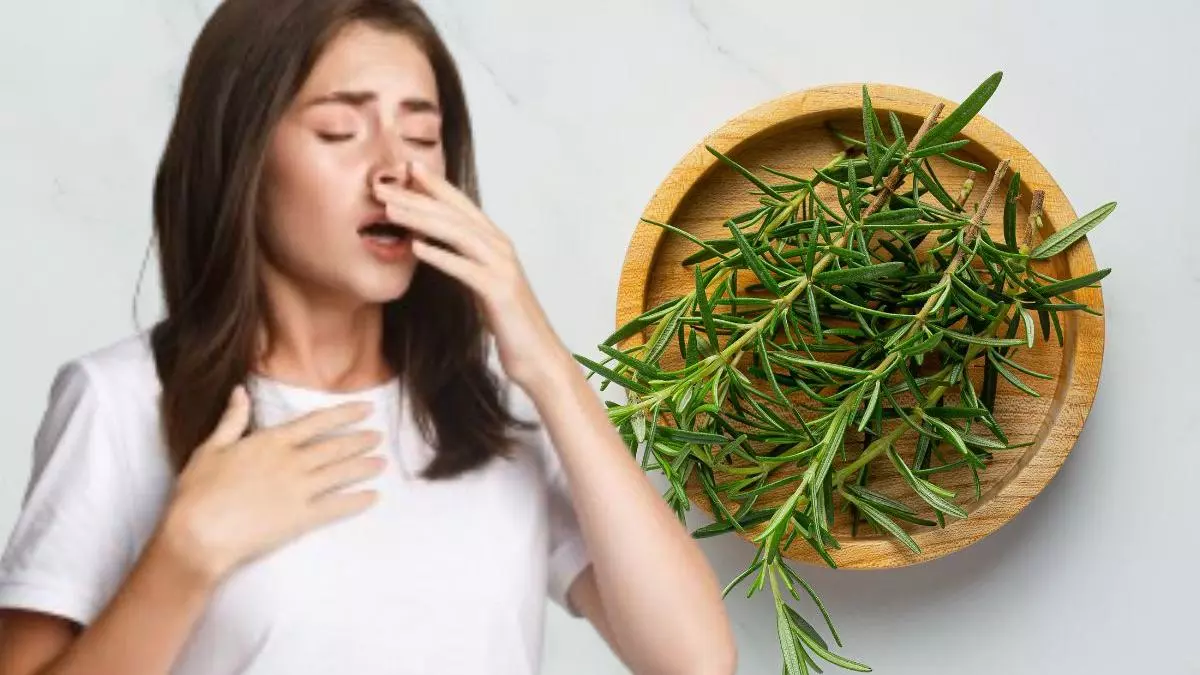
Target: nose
[{"x": 393, "y": 168}]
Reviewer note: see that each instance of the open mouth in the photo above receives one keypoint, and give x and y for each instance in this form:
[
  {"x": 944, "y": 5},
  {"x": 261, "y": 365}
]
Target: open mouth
[{"x": 385, "y": 232}]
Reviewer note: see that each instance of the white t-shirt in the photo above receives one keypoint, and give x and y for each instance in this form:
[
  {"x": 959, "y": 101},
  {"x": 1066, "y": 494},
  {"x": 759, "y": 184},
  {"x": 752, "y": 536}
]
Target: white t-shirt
[{"x": 446, "y": 576}]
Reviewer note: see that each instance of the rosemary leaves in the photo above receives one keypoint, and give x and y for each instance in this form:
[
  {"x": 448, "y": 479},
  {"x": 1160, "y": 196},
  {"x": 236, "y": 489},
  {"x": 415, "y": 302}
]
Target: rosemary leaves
[{"x": 875, "y": 293}]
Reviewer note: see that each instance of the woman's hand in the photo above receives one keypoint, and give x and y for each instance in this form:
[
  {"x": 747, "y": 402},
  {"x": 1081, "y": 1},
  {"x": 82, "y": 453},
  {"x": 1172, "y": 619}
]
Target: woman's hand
[
  {"x": 239, "y": 497},
  {"x": 484, "y": 259}
]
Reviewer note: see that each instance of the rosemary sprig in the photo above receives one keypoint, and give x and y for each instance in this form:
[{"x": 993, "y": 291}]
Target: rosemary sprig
[{"x": 873, "y": 292}]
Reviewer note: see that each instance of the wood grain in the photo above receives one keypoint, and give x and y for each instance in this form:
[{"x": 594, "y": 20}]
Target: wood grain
[{"x": 789, "y": 134}]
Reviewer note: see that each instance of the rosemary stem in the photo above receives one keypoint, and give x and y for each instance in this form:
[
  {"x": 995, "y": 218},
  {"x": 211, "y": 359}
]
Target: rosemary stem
[
  {"x": 893, "y": 180},
  {"x": 793, "y": 204},
  {"x": 972, "y": 232},
  {"x": 881, "y": 444},
  {"x": 780, "y": 304}
]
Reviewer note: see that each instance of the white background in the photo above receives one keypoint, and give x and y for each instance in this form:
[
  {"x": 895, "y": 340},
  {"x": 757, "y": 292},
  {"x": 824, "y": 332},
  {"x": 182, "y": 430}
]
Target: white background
[{"x": 580, "y": 109}]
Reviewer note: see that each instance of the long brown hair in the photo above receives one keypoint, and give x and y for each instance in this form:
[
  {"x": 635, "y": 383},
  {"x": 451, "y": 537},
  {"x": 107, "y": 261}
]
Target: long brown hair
[{"x": 249, "y": 61}]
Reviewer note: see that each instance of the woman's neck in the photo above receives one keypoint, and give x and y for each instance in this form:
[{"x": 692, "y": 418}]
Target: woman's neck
[{"x": 332, "y": 348}]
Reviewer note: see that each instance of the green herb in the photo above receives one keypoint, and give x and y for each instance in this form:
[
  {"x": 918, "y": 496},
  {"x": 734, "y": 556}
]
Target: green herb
[{"x": 864, "y": 315}]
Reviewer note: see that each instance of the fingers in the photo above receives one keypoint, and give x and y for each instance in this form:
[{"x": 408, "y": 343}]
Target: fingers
[
  {"x": 335, "y": 505},
  {"x": 337, "y": 449},
  {"x": 459, "y": 267},
  {"x": 233, "y": 422},
  {"x": 341, "y": 474},
  {"x": 432, "y": 219},
  {"x": 309, "y": 425},
  {"x": 440, "y": 188},
  {"x": 423, "y": 202}
]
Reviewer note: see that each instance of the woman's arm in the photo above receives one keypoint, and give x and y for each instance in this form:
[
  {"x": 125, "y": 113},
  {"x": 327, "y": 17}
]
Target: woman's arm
[
  {"x": 660, "y": 597},
  {"x": 141, "y": 630},
  {"x": 661, "y": 600}
]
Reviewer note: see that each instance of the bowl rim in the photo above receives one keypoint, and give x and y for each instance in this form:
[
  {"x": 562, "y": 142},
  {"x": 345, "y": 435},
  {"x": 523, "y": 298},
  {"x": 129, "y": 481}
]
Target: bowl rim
[{"x": 1083, "y": 338}]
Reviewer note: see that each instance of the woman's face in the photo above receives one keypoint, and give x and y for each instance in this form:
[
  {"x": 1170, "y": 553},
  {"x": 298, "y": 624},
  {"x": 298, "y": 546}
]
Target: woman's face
[{"x": 369, "y": 106}]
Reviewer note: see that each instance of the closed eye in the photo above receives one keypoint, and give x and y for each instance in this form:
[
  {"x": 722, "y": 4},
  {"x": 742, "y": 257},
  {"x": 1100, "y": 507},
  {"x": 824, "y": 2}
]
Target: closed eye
[{"x": 340, "y": 138}]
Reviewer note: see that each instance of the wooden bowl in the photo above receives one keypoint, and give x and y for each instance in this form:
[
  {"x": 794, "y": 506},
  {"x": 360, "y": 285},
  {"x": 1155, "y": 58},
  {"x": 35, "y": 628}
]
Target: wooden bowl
[{"x": 789, "y": 134}]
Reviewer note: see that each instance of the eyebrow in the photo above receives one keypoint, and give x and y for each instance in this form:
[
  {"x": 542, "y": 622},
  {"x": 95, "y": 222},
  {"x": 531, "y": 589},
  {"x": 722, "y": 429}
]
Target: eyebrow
[{"x": 360, "y": 98}]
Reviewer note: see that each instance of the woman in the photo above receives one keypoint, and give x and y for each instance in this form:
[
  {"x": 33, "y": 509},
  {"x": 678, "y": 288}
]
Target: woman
[{"x": 311, "y": 464}]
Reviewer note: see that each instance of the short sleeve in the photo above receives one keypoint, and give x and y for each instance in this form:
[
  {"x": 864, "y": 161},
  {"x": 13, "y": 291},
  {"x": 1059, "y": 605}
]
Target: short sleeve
[
  {"x": 568, "y": 551},
  {"x": 71, "y": 545}
]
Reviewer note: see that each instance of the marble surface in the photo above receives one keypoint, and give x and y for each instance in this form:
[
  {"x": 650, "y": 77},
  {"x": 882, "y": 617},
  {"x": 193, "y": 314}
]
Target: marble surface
[{"x": 580, "y": 109}]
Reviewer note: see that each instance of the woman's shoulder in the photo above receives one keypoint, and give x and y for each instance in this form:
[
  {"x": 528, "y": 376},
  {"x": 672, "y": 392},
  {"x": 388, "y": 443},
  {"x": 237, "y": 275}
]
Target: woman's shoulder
[
  {"x": 116, "y": 383},
  {"x": 102, "y": 406},
  {"x": 124, "y": 366}
]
